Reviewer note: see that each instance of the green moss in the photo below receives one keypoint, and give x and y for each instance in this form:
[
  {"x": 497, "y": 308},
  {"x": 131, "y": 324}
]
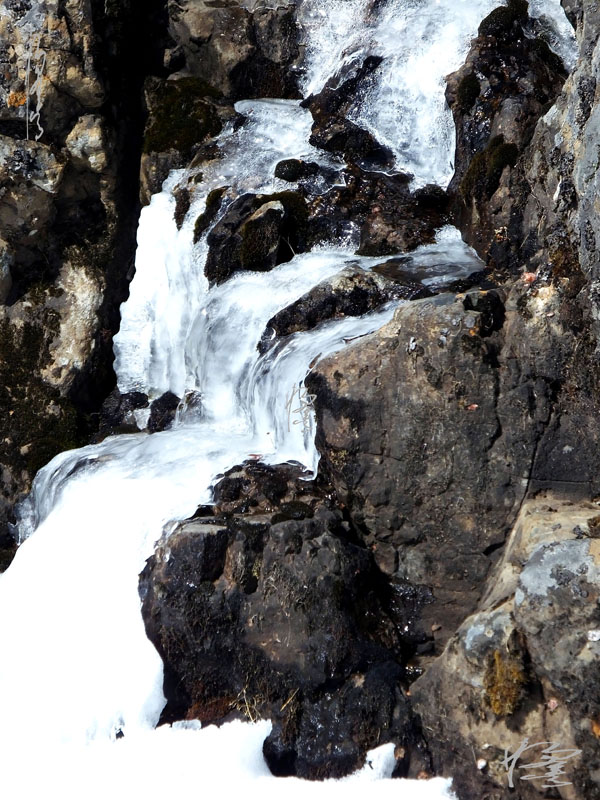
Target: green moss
[
  {"x": 180, "y": 116},
  {"x": 468, "y": 91},
  {"x": 501, "y": 20},
  {"x": 482, "y": 178},
  {"x": 504, "y": 155},
  {"x": 474, "y": 175},
  {"x": 504, "y": 681}
]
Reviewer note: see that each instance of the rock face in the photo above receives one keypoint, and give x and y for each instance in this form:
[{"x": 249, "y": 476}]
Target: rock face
[
  {"x": 509, "y": 80},
  {"x": 246, "y": 53},
  {"x": 525, "y": 664},
  {"x": 68, "y": 212}
]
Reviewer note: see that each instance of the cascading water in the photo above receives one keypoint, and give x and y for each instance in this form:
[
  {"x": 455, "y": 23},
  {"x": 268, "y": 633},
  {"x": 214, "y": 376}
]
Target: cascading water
[
  {"x": 76, "y": 667},
  {"x": 421, "y": 42}
]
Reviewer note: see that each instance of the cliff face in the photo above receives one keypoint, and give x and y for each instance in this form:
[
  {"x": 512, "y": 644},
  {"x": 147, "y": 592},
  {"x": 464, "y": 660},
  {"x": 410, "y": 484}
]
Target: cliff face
[
  {"x": 450, "y": 538},
  {"x": 68, "y": 214},
  {"x": 470, "y": 460}
]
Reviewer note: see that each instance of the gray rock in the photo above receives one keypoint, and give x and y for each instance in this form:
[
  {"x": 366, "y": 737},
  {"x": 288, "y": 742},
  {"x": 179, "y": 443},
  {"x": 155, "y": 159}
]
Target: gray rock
[{"x": 524, "y": 665}]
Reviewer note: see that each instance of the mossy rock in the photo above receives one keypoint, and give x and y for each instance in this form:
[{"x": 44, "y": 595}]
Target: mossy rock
[
  {"x": 482, "y": 178},
  {"x": 180, "y": 116},
  {"x": 504, "y": 681},
  {"x": 468, "y": 91},
  {"x": 37, "y": 422},
  {"x": 501, "y": 20}
]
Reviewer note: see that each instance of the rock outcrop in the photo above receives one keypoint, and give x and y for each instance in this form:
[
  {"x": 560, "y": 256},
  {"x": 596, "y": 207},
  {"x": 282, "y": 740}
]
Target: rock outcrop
[
  {"x": 525, "y": 664},
  {"x": 279, "y": 612},
  {"x": 509, "y": 81},
  {"x": 68, "y": 213}
]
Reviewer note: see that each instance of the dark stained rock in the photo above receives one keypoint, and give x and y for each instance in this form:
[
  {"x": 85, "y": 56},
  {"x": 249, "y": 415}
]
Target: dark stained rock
[
  {"x": 260, "y": 488},
  {"x": 117, "y": 412},
  {"x": 509, "y": 80},
  {"x": 333, "y": 131},
  {"x": 391, "y": 218},
  {"x": 343, "y": 137},
  {"x": 351, "y": 293},
  {"x": 259, "y": 618},
  {"x": 257, "y": 232},
  {"x": 293, "y": 169},
  {"x": 162, "y": 412},
  {"x": 205, "y": 220}
]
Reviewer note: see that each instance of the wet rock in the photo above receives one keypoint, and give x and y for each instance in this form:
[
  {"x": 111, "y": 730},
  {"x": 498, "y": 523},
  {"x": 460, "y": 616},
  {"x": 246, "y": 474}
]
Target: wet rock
[
  {"x": 294, "y": 170},
  {"x": 162, "y": 412},
  {"x": 281, "y": 490},
  {"x": 205, "y": 220},
  {"x": 118, "y": 413},
  {"x": 257, "y": 232},
  {"x": 522, "y": 665},
  {"x": 255, "y": 618},
  {"x": 508, "y": 82},
  {"x": 390, "y": 218},
  {"x": 350, "y": 293},
  {"x": 342, "y": 137},
  {"x": 333, "y": 131}
]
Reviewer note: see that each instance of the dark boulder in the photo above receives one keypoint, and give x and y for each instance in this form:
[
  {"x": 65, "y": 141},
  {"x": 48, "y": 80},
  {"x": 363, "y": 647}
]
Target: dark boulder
[
  {"x": 162, "y": 412},
  {"x": 342, "y": 137},
  {"x": 278, "y": 620},
  {"x": 117, "y": 413},
  {"x": 269, "y": 607},
  {"x": 308, "y": 173},
  {"x": 258, "y": 488},
  {"x": 257, "y": 232},
  {"x": 333, "y": 131},
  {"x": 391, "y": 218}
]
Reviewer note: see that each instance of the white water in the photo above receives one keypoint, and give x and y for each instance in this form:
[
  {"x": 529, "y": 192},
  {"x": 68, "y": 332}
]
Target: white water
[
  {"x": 75, "y": 665},
  {"x": 421, "y": 42}
]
